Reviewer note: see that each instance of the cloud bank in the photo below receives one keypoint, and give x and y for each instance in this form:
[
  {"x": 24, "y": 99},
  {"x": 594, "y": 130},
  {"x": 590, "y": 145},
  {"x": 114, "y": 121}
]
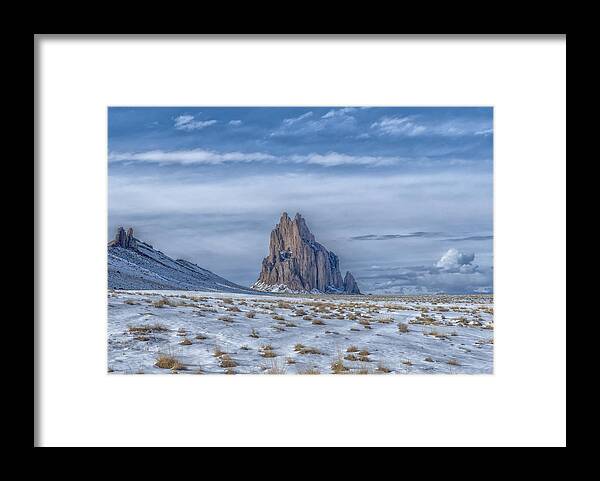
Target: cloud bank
[{"x": 210, "y": 157}]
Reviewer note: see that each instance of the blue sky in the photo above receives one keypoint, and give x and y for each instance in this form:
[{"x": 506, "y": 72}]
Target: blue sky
[{"x": 402, "y": 195}]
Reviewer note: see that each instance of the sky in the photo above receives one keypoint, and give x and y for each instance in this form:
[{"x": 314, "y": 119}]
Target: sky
[{"x": 403, "y": 195}]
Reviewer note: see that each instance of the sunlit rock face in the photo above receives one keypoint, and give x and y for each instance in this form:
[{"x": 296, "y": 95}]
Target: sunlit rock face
[{"x": 297, "y": 263}]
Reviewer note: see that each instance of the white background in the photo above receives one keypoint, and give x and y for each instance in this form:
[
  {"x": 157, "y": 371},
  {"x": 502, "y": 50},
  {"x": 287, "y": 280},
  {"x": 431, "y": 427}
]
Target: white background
[{"x": 523, "y": 403}]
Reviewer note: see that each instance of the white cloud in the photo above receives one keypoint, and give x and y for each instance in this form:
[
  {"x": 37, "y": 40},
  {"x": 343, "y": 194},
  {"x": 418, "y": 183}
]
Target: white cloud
[
  {"x": 455, "y": 261},
  {"x": 187, "y": 122},
  {"x": 338, "y": 112},
  {"x": 398, "y": 126},
  {"x": 201, "y": 156},
  {"x": 409, "y": 127},
  {"x": 193, "y": 156},
  {"x": 235, "y": 123},
  {"x": 295, "y": 120},
  {"x": 337, "y": 119},
  {"x": 334, "y": 158}
]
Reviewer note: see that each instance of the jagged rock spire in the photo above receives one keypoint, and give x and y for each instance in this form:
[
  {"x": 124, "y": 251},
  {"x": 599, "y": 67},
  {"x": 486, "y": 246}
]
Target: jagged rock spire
[
  {"x": 298, "y": 263},
  {"x": 350, "y": 285},
  {"x": 124, "y": 239}
]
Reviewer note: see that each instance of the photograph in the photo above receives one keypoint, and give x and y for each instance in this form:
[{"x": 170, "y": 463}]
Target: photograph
[
  {"x": 300, "y": 240},
  {"x": 273, "y": 236}
]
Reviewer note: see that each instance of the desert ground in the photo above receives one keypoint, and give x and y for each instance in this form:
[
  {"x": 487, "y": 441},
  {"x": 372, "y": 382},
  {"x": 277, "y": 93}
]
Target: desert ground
[{"x": 190, "y": 332}]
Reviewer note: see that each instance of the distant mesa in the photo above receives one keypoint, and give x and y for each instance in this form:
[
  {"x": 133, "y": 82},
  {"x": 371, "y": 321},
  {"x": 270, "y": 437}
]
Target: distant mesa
[{"x": 297, "y": 263}]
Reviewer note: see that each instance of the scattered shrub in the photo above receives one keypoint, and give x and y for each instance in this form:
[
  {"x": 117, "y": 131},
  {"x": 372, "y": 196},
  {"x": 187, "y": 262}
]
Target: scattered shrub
[
  {"x": 382, "y": 368},
  {"x": 226, "y": 361},
  {"x": 337, "y": 366},
  {"x": 167, "y": 361}
]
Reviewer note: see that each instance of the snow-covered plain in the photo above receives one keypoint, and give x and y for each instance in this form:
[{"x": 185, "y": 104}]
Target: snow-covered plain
[{"x": 206, "y": 332}]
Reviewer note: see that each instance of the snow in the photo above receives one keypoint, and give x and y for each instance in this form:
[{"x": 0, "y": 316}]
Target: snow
[
  {"x": 283, "y": 288},
  {"x": 454, "y": 333},
  {"x": 146, "y": 268}
]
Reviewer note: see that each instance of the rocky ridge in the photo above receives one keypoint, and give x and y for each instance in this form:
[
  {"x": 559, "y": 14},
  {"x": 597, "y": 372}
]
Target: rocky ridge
[{"x": 134, "y": 264}]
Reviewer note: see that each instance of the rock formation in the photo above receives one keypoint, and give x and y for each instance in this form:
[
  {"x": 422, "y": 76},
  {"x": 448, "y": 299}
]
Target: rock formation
[
  {"x": 124, "y": 239},
  {"x": 350, "y": 285},
  {"x": 296, "y": 262}
]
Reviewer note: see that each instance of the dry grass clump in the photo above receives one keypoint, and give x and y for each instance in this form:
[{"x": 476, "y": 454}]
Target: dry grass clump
[
  {"x": 129, "y": 302},
  {"x": 267, "y": 351},
  {"x": 298, "y": 347},
  {"x": 217, "y": 352},
  {"x": 250, "y": 315},
  {"x": 310, "y": 371},
  {"x": 163, "y": 302},
  {"x": 308, "y": 350},
  {"x": 403, "y": 327},
  {"x": 365, "y": 323},
  {"x": 352, "y": 317},
  {"x": 167, "y": 361},
  {"x": 300, "y": 312},
  {"x": 142, "y": 338},
  {"x": 254, "y": 334},
  {"x": 385, "y": 320},
  {"x": 181, "y": 332},
  {"x": 201, "y": 337},
  {"x": 307, "y": 318},
  {"x": 424, "y": 320},
  {"x": 453, "y": 362},
  {"x": 278, "y": 318},
  {"x": 318, "y": 322},
  {"x": 407, "y": 362},
  {"x": 352, "y": 349},
  {"x": 233, "y": 309},
  {"x": 436, "y": 334},
  {"x": 147, "y": 329},
  {"x": 337, "y": 366},
  {"x": 350, "y": 357},
  {"x": 275, "y": 367},
  {"x": 230, "y": 371},
  {"x": 227, "y": 319},
  {"x": 364, "y": 356},
  {"x": 382, "y": 368},
  {"x": 290, "y": 360},
  {"x": 226, "y": 361},
  {"x": 185, "y": 342}
]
